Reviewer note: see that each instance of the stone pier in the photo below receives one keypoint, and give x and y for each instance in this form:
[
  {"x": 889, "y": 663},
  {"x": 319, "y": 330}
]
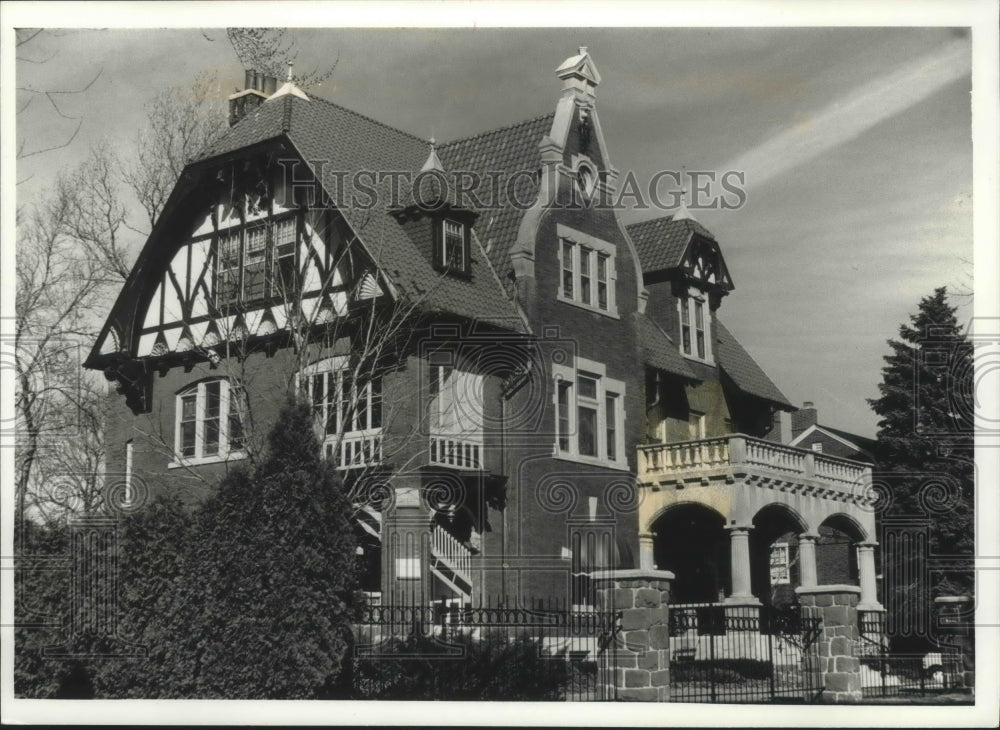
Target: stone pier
[
  {"x": 835, "y": 665},
  {"x": 641, "y": 664}
]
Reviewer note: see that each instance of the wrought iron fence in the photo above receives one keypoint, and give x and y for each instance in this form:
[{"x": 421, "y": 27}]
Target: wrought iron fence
[
  {"x": 885, "y": 673},
  {"x": 489, "y": 652},
  {"x": 725, "y": 653}
]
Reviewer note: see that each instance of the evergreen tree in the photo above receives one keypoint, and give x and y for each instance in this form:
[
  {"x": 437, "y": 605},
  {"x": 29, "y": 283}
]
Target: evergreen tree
[
  {"x": 925, "y": 449},
  {"x": 271, "y": 586}
]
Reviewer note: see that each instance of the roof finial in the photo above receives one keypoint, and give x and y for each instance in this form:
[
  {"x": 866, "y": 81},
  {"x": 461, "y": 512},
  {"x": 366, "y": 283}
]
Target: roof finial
[
  {"x": 289, "y": 78},
  {"x": 682, "y": 210},
  {"x": 433, "y": 161},
  {"x": 583, "y": 50}
]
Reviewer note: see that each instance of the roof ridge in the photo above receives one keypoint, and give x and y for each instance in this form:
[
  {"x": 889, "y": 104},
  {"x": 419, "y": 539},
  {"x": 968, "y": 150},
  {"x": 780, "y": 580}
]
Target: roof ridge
[
  {"x": 367, "y": 118},
  {"x": 503, "y": 128},
  {"x": 648, "y": 221}
]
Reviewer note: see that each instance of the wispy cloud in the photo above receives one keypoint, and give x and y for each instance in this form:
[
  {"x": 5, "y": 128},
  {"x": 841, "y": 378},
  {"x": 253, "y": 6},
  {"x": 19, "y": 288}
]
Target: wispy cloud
[{"x": 847, "y": 117}]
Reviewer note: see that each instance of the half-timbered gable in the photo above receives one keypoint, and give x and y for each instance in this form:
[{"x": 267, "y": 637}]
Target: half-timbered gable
[{"x": 544, "y": 363}]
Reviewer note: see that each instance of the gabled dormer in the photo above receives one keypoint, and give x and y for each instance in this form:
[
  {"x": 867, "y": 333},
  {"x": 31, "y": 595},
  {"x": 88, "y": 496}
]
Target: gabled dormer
[
  {"x": 434, "y": 220},
  {"x": 687, "y": 277}
]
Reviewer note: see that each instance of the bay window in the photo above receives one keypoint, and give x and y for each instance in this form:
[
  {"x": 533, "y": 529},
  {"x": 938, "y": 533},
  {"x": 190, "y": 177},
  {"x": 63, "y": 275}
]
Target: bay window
[
  {"x": 347, "y": 410},
  {"x": 456, "y": 416}
]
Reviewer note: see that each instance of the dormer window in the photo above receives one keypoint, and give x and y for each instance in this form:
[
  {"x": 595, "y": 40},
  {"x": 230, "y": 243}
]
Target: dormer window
[
  {"x": 451, "y": 246},
  {"x": 695, "y": 341}
]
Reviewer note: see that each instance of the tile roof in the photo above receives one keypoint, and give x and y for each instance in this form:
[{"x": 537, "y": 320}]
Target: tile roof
[
  {"x": 661, "y": 242},
  {"x": 863, "y": 442},
  {"x": 658, "y": 349},
  {"x": 347, "y": 142},
  {"x": 507, "y": 150},
  {"x": 744, "y": 370}
]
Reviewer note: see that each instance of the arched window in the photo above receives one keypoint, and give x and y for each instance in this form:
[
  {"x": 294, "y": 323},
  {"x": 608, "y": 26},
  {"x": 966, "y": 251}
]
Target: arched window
[{"x": 209, "y": 422}]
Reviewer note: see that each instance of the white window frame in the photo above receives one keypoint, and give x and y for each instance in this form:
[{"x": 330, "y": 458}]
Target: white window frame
[
  {"x": 453, "y": 228},
  {"x": 605, "y": 387},
  {"x": 456, "y": 421},
  {"x": 781, "y": 548},
  {"x": 694, "y": 297},
  {"x": 224, "y": 453},
  {"x": 339, "y": 365},
  {"x": 276, "y": 232},
  {"x": 594, "y": 248}
]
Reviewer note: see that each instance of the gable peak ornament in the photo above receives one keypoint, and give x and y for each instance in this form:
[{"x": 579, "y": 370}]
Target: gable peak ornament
[{"x": 579, "y": 75}]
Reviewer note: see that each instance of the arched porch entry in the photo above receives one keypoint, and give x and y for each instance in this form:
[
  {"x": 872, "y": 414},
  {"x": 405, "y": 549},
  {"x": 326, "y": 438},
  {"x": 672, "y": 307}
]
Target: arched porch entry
[
  {"x": 775, "y": 570},
  {"x": 691, "y": 541}
]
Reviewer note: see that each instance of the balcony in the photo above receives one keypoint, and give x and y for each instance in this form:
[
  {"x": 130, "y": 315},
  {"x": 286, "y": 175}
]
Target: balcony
[
  {"x": 739, "y": 458},
  {"x": 456, "y": 452},
  {"x": 356, "y": 450}
]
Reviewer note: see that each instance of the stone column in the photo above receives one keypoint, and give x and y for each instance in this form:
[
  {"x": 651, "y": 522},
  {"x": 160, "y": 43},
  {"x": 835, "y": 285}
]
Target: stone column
[
  {"x": 866, "y": 576},
  {"x": 739, "y": 565},
  {"x": 807, "y": 559},
  {"x": 639, "y": 666},
  {"x": 646, "y": 550},
  {"x": 833, "y": 660}
]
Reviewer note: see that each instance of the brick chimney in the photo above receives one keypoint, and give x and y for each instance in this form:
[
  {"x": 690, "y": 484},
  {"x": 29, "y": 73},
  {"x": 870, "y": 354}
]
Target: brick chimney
[
  {"x": 257, "y": 87},
  {"x": 803, "y": 418}
]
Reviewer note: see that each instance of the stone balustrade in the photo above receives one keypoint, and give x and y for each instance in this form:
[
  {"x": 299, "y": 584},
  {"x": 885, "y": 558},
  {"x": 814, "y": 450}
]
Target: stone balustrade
[{"x": 737, "y": 454}]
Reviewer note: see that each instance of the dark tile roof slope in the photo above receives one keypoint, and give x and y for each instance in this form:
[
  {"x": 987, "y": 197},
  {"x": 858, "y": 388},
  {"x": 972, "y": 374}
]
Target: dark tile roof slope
[
  {"x": 508, "y": 150},
  {"x": 347, "y": 142},
  {"x": 863, "y": 442},
  {"x": 661, "y": 242},
  {"x": 658, "y": 349},
  {"x": 744, "y": 370}
]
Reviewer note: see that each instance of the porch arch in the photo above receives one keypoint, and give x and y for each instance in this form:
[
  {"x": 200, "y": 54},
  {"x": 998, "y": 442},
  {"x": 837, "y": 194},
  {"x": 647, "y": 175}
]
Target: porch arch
[
  {"x": 774, "y": 553},
  {"x": 691, "y": 542}
]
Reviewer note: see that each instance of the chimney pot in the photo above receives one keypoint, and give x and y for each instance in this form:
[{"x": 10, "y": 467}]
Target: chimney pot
[
  {"x": 270, "y": 84},
  {"x": 808, "y": 404},
  {"x": 248, "y": 79}
]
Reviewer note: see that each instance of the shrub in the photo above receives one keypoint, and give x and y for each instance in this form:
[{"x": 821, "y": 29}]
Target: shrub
[
  {"x": 491, "y": 666},
  {"x": 725, "y": 670}
]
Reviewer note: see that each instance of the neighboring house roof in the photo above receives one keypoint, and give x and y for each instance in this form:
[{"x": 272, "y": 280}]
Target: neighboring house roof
[
  {"x": 658, "y": 349},
  {"x": 744, "y": 371},
  {"x": 661, "y": 242},
  {"x": 346, "y": 143},
  {"x": 851, "y": 441},
  {"x": 508, "y": 150}
]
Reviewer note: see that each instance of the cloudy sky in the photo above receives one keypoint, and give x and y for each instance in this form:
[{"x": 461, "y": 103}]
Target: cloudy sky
[{"x": 855, "y": 144}]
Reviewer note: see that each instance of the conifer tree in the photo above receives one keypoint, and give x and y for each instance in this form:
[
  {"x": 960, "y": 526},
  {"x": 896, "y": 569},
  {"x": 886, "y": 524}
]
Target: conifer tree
[
  {"x": 925, "y": 447},
  {"x": 272, "y": 580}
]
